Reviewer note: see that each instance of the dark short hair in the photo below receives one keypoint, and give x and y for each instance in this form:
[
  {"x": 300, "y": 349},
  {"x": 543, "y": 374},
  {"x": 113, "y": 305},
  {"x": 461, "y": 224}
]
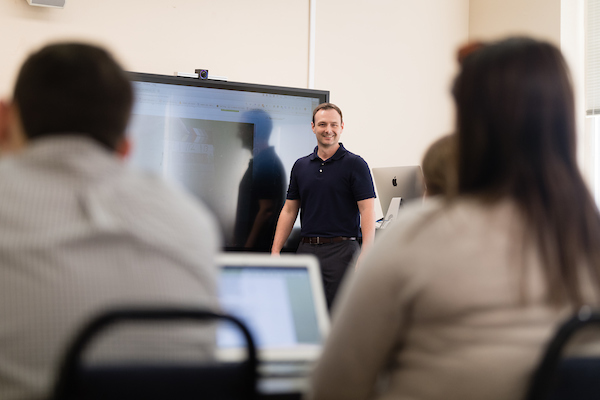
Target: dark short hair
[
  {"x": 327, "y": 106},
  {"x": 74, "y": 89}
]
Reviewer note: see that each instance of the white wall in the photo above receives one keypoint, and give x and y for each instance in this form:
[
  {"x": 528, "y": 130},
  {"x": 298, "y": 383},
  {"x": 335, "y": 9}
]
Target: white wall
[
  {"x": 493, "y": 19},
  {"x": 387, "y": 63},
  {"x": 558, "y": 21},
  {"x": 260, "y": 41},
  {"x": 572, "y": 43}
]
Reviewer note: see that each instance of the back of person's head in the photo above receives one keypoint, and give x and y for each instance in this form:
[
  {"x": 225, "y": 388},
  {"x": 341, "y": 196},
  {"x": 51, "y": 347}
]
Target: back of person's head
[
  {"x": 75, "y": 89},
  {"x": 516, "y": 139},
  {"x": 515, "y": 117},
  {"x": 439, "y": 165}
]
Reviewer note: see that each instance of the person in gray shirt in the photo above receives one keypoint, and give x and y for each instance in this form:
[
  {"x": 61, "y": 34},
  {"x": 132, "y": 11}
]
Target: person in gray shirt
[{"x": 80, "y": 232}]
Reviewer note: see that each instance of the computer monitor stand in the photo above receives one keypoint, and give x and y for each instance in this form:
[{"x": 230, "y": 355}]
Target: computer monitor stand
[{"x": 392, "y": 212}]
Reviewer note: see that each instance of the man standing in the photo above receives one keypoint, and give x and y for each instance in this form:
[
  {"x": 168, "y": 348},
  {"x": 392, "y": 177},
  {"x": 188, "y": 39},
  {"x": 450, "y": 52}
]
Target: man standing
[
  {"x": 334, "y": 190},
  {"x": 79, "y": 231}
]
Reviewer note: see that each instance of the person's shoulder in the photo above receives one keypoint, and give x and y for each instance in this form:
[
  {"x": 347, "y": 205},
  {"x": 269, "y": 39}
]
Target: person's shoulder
[
  {"x": 354, "y": 158},
  {"x": 437, "y": 218},
  {"x": 307, "y": 157},
  {"x": 146, "y": 182},
  {"x": 302, "y": 161},
  {"x": 414, "y": 213},
  {"x": 148, "y": 201},
  {"x": 418, "y": 220},
  {"x": 9, "y": 163},
  {"x": 399, "y": 249},
  {"x": 350, "y": 153},
  {"x": 153, "y": 191}
]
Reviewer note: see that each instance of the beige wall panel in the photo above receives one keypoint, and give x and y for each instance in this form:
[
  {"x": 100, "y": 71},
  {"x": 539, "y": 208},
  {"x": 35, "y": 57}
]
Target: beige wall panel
[
  {"x": 493, "y": 19},
  {"x": 389, "y": 66},
  {"x": 259, "y": 41}
]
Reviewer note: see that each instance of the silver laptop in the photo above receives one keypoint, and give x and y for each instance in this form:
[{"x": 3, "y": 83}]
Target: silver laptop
[{"x": 281, "y": 301}]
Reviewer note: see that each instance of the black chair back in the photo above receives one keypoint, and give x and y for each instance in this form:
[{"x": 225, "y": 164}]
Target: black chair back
[
  {"x": 568, "y": 378},
  {"x": 143, "y": 381}
]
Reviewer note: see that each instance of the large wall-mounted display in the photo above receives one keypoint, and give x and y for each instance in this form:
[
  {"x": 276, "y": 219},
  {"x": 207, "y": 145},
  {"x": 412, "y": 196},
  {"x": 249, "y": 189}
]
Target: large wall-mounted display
[{"x": 230, "y": 144}]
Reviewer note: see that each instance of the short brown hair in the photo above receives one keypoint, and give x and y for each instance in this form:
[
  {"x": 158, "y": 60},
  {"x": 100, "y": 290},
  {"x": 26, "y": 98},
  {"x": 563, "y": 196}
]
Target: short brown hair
[
  {"x": 439, "y": 166},
  {"x": 327, "y": 106},
  {"x": 76, "y": 89}
]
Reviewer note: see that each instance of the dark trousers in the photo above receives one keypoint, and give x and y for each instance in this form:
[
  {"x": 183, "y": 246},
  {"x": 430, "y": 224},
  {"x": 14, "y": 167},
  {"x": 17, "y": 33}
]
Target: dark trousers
[{"x": 334, "y": 259}]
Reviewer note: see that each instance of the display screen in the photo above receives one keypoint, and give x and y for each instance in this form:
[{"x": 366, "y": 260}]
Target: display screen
[
  {"x": 275, "y": 303},
  {"x": 232, "y": 145}
]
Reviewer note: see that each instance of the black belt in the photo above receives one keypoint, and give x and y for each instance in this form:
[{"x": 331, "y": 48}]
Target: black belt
[{"x": 325, "y": 240}]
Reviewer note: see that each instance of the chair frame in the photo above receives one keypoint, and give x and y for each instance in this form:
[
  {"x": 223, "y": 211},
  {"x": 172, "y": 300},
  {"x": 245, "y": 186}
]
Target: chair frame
[
  {"x": 68, "y": 374},
  {"x": 544, "y": 375}
]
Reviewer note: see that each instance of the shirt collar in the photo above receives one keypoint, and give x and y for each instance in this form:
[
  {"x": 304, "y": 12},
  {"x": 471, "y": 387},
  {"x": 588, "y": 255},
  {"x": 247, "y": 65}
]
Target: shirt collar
[
  {"x": 341, "y": 152},
  {"x": 74, "y": 152}
]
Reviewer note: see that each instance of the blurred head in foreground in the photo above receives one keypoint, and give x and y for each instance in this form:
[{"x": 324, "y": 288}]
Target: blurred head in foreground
[
  {"x": 68, "y": 89},
  {"x": 516, "y": 139}
]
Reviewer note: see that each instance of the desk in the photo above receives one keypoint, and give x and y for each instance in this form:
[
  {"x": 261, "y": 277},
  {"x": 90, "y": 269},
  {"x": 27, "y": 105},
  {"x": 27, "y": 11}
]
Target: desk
[{"x": 282, "y": 388}]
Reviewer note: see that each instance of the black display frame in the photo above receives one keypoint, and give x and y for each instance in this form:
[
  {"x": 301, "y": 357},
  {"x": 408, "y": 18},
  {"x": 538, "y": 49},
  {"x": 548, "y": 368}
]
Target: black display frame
[{"x": 323, "y": 96}]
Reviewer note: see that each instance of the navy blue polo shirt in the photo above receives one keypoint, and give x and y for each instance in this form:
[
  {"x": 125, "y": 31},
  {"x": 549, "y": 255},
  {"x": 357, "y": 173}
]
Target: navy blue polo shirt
[{"x": 328, "y": 192}]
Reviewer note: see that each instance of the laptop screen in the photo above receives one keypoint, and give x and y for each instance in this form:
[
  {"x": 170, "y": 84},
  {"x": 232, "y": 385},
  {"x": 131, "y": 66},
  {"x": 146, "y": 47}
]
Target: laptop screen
[{"x": 279, "y": 299}]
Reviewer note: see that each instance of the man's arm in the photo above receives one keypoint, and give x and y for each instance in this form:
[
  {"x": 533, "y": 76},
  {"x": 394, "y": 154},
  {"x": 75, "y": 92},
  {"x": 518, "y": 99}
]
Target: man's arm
[
  {"x": 366, "y": 208},
  {"x": 285, "y": 223}
]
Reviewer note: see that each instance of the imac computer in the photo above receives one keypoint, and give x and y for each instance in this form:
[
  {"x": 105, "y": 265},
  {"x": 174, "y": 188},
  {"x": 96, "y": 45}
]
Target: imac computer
[{"x": 395, "y": 187}]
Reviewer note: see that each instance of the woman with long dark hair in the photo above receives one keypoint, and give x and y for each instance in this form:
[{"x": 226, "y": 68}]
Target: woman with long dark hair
[{"x": 457, "y": 300}]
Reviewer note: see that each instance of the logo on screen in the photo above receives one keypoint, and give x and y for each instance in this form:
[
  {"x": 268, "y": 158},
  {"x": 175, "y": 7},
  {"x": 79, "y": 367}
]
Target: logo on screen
[{"x": 394, "y": 182}]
